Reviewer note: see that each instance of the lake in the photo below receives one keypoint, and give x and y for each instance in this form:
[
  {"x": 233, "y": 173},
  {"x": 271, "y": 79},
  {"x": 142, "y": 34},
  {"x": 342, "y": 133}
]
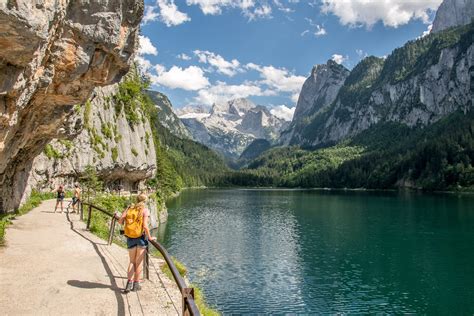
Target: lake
[{"x": 305, "y": 252}]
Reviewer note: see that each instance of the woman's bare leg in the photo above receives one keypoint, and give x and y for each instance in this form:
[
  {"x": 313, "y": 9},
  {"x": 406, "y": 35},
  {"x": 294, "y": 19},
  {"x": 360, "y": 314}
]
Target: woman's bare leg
[
  {"x": 62, "y": 209},
  {"x": 56, "y": 207},
  {"x": 139, "y": 263},
  {"x": 132, "y": 253}
]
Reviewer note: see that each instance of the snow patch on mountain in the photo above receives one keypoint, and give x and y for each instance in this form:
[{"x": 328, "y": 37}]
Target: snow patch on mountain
[
  {"x": 229, "y": 127},
  {"x": 283, "y": 112}
]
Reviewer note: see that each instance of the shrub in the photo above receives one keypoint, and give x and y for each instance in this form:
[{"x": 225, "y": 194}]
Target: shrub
[{"x": 114, "y": 154}]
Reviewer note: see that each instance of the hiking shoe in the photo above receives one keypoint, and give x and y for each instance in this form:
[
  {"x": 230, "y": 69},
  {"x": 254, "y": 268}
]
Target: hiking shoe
[
  {"x": 129, "y": 287},
  {"x": 136, "y": 286}
]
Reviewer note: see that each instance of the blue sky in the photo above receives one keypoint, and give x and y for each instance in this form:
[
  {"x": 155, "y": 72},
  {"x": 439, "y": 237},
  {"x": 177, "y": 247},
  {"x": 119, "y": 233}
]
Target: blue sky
[{"x": 203, "y": 51}]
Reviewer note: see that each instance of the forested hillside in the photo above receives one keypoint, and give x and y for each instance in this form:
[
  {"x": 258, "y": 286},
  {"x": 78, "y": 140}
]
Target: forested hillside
[
  {"x": 403, "y": 121},
  {"x": 417, "y": 84},
  {"x": 388, "y": 155}
]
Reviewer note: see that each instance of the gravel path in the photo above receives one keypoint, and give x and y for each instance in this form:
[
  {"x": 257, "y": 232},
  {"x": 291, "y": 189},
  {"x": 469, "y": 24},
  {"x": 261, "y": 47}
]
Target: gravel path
[{"x": 52, "y": 265}]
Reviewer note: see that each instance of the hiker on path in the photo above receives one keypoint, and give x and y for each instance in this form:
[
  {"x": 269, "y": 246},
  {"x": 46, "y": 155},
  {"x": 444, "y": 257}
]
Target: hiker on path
[
  {"x": 60, "y": 194},
  {"x": 76, "y": 198},
  {"x": 135, "y": 218}
]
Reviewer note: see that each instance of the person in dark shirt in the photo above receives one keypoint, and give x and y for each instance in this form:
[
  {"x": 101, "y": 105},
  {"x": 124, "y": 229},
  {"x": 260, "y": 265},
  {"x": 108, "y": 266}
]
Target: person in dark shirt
[{"x": 60, "y": 194}]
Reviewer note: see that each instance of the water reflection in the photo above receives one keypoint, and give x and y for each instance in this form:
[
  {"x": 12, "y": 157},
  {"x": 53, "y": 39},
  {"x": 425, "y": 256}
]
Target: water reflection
[{"x": 255, "y": 251}]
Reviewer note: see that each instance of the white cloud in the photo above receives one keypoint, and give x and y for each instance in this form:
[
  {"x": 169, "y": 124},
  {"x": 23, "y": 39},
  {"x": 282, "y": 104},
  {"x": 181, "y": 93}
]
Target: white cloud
[
  {"x": 264, "y": 11},
  {"x": 281, "y": 7},
  {"x": 320, "y": 31},
  {"x": 146, "y": 47},
  {"x": 183, "y": 56},
  {"x": 278, "y": 78},
  {"x": 150, "y": 14},
  {"x": 191, "y": 78},
  {"x": 361, "y": 53},
  {"x": 229, "y": 68},
  {"x": 143, "y": 64},
  {"x": 249, "y": 8},
  {"x": 339, "y": 58},
  {"x": 428, "y": 31},
  {"x": 304, "y": 32},
  {"x": 214, "y": 7},
  {"x": 169, "y": 13},
  {"x": 295, "y": 96},
  {"x": 221, "y": 92},
  {"x": 392, "y": 13},
  {"x": 159, "y": 69},
  {"x": 283, "y": 112}
]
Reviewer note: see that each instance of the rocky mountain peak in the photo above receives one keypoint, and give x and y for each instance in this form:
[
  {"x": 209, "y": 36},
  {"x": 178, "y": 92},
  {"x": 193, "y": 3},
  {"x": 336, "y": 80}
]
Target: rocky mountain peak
[
  {"x": 453, "y": 13},
  {"x": 321, "y": 88},
  {"x": 318, "y": 92},
  {"x": 229, "y": 127},
  {"x": 416, "y": 85},
  {"x": 237, "y": 107}
]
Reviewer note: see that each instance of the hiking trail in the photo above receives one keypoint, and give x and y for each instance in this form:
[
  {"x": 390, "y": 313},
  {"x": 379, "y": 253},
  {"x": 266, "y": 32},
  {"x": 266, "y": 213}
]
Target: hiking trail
[{"x": 52, "y": 265}]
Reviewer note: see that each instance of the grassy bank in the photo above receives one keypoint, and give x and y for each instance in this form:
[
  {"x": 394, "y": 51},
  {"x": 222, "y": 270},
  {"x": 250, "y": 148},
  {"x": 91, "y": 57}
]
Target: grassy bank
[
  {"x": 33, "y": 201},
  {"x": 199, "y": 298},
  {"x": 100, "y": 224}
]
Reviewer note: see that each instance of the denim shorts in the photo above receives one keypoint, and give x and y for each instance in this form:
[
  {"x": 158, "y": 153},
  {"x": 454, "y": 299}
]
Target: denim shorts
[
  {"x": 75, "y": 200},
  {"x": 140, "y": 242}
]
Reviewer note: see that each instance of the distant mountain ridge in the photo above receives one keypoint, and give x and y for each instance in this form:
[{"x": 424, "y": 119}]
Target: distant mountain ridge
[
  {"x": 229, "y": 127},
  {"x": 402, "y": 121},
  {"x": 417, "y": 84},
  {"x": 167, "y": 116}
]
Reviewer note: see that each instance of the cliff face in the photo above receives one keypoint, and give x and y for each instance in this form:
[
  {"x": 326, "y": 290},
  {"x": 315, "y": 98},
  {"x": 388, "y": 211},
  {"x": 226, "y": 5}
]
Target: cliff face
[
  {"x": 318, "y": 92},
  {"x": 453, "y": 13},
  {"x": 416, "y": 85},
  {"x": 166, "y": 115},
  {"x": 122, "y": 152},
  {"x": 52, "y": 55}
]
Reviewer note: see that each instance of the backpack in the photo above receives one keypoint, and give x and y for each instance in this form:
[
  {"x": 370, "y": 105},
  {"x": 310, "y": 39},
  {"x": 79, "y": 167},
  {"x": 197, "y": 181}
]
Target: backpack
[{"x": 134, "y": 222}]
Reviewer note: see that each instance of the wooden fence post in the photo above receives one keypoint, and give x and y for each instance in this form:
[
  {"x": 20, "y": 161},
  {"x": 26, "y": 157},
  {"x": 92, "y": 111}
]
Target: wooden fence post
[
  {"x": 112, "y": 230},
  {"x": 185, "y": 293},
  {"x": 89, "y": 217},
  {"x": 146, "y": 265}
]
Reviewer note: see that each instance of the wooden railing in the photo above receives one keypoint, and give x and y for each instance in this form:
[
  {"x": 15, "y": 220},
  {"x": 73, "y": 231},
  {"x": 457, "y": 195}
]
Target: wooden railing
[{"x": 189, "y": 306}]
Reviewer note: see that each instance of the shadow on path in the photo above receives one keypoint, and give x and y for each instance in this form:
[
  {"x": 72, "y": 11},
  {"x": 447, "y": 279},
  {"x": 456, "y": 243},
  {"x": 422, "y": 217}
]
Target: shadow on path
[
  {"x": 88, "y": 285},
  {"x": 114, "y": 286}
]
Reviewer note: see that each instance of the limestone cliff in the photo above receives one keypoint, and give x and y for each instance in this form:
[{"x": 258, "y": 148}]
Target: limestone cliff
[
  {"x": 416, "y": 85},
  {"x": 52, "y": 55},
  {"x": 317, "y": 93},
  {"x": 453, "y": 13},
  {"x": 167, "y": 116},
  {"x": 122, "y": 151}
]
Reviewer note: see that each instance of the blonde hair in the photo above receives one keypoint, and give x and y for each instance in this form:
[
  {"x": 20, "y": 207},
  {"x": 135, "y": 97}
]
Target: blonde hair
[{"x": 141, "y": 199}]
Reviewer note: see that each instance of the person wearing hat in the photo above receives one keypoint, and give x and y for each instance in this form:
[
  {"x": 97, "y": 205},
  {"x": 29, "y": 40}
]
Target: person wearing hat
[{"x": 135, "y": 221}]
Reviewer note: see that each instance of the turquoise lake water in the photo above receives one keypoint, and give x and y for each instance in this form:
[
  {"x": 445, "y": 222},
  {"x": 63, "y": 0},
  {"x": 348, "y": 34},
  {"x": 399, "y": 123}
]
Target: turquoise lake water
[{"x": 306, "y": 252}]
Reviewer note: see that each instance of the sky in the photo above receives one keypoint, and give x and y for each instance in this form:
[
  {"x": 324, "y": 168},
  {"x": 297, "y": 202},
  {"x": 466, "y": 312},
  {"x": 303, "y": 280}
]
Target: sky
[{"x": 206, "y": 51}]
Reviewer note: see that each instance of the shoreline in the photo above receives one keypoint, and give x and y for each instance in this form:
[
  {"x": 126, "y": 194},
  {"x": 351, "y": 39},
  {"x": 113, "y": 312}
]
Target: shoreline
[{"x": 250, "y": 188}]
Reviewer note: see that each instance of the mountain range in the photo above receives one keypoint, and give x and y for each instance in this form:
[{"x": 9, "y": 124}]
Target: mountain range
[
  {"x": 404, "y": 120},
  {"x": 229, "y": 127}
]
